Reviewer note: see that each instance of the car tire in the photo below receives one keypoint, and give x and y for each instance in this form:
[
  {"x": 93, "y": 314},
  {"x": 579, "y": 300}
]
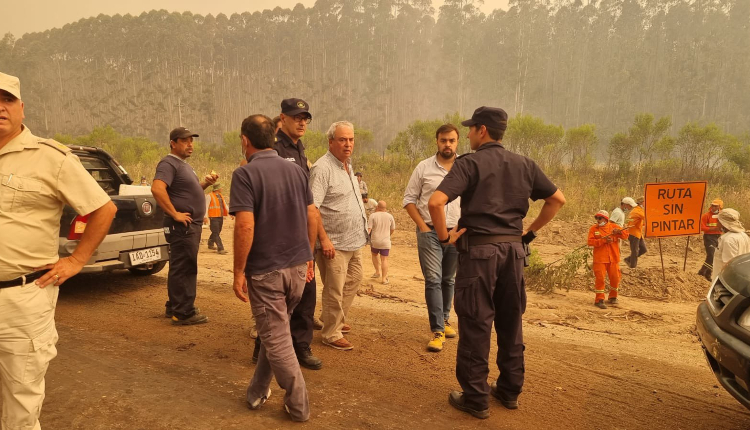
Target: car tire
[{"x": 145, "y": 270}]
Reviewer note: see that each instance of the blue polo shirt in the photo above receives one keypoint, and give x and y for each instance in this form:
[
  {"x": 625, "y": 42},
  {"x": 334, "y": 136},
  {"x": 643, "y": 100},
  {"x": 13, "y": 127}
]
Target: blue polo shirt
[
  {"x": 183, "y": 187},
  {"x": 277, "y": 193}
]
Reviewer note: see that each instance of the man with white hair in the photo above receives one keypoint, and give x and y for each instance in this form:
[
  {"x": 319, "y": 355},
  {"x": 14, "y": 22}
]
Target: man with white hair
[
  {"x": 618, "y": 214},
  {"x": 338, "y": 254},
  {"x": 733, "y": 241}
]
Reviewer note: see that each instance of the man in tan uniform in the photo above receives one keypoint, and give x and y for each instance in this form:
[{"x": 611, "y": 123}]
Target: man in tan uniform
[{"x": 38, "y": 177}]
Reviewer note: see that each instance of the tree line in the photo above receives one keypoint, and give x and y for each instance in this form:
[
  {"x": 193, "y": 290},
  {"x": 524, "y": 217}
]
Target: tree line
[{"x": 385, "y": 63}]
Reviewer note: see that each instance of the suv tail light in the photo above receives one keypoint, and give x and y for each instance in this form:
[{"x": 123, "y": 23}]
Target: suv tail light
[{"x": 77, "y": 227}]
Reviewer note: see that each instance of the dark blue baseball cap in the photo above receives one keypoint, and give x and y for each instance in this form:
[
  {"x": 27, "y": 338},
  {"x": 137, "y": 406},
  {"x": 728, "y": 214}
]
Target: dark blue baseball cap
[
  {"x": 292, "y": 107},
  {"x": 489, "y": 117}
]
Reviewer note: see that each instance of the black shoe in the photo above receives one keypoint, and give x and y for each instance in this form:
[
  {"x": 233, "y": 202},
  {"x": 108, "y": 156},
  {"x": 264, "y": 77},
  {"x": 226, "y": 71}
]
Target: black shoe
[
  {"x": 510, "y": 402},
  {"x": 308, "y": 360},
  {"x": 613, "y": 301},
  {"x": 600, "y": 304},
  {"x": 195, "y": 319},
  {"x": 456, "y": 400},
  {"x": 168, "y": 313},
  {"x": 256, "y": 350}
]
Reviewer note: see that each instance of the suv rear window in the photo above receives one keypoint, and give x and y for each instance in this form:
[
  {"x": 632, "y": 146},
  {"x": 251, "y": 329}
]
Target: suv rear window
[{"x": 100, "y": 171}]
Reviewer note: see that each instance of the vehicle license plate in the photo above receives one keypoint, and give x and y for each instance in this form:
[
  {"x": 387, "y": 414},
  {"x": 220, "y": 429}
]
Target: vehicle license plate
[{"x": 145, "y": 256}]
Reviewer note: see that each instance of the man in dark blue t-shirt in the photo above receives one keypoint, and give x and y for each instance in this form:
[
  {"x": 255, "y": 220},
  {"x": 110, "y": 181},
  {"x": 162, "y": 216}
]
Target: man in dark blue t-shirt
[
  {"x": 274, "y": 235},
  {"x": 179, "y": 192}
]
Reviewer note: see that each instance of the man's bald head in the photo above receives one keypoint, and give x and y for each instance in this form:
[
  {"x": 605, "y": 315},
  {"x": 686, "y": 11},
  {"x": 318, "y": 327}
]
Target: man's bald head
[{"x": 381, "y": 205}]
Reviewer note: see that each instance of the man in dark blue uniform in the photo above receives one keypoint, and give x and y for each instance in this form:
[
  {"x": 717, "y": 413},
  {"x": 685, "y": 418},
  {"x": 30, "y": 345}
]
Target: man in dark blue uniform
[
  {"x": 295, "y": 116},
  {"x": 495, "y": 186}
]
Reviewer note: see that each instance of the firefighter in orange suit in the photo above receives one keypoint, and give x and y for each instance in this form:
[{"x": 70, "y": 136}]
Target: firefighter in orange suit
[
  {"x": 711, "y": 232},
  {"x": 216, "y": 209},
  {"x": 605, "y": 237}
]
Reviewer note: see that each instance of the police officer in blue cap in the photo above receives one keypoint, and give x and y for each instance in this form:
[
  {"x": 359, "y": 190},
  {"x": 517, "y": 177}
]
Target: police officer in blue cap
[{"x": 495, "y": 186}]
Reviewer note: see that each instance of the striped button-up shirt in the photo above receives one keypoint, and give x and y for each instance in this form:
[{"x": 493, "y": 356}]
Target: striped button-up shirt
[{"x": 336, "y": 195}]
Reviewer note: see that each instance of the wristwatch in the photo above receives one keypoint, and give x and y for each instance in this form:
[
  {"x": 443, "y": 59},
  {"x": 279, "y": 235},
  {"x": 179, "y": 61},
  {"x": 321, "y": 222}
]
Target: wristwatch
[{"x": 447, "y": 239}]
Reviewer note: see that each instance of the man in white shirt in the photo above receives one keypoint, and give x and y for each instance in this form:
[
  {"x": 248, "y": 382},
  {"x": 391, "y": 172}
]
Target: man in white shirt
[
  {"x": 618, "y": 214},
  {"x": 733, "y": 241},
  {"x": 381, "y": 226},
  {"x": 438, "y": 261},
  {"x": 370, "y": 204}
]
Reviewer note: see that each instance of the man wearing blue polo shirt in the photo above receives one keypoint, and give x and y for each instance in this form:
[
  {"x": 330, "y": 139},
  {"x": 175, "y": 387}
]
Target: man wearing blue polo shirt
[{"x": 275, "y": 230}]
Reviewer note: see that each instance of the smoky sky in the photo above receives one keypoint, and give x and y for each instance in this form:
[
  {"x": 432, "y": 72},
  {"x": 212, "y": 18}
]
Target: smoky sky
[{"x": 40, "y": 15}]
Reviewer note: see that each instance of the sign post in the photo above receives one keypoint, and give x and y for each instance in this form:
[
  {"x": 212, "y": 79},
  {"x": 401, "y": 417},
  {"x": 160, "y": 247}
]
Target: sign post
[{"x": 674, "y": 209}]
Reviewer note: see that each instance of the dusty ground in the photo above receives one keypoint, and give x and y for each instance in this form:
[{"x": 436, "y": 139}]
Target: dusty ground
[{"x": 121, "y": 364}]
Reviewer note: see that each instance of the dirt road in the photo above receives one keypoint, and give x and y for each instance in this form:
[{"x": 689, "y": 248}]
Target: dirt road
[{"x": 121, "y": 364}]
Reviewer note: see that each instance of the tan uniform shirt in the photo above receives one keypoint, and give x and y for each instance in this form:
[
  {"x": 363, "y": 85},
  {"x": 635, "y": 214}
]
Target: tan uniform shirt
[{"x": 38, "y": 177}]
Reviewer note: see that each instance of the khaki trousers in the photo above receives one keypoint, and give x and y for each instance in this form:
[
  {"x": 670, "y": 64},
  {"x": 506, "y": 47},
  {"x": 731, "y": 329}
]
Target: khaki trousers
[
  {"x": 341, "y": 277},
  {"x": 27, "y": 344}
]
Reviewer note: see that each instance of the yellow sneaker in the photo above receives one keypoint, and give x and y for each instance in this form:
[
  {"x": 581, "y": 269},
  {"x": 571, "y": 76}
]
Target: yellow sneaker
[
  {"x": 450, "y": 332},
  {"x": 436, "y": 344}
]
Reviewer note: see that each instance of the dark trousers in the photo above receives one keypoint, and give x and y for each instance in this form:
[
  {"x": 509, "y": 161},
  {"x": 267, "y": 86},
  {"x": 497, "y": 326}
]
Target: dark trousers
[
  {"x": 216, "y": 224},
  {"x": 183, "y": 267},
  {"x": 637, "y": 248},
  {"x": 710, "y": 242},
  {"x": 273, "y": 295},
  {"x": 301, "y": 322},
  {"x": 490, "y": 288}
]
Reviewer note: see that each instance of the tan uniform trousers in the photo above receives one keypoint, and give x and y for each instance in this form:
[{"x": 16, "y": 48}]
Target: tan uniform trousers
[
  {"x": 27, "y": 344},
  {"x": 341, "y": 277}
]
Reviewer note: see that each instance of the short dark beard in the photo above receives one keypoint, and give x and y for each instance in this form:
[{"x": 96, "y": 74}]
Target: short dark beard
[{"x": 440, "y": 154}]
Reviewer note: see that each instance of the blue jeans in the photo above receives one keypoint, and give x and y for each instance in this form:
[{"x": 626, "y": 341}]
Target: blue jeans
[{"x": 438, "y": 265}]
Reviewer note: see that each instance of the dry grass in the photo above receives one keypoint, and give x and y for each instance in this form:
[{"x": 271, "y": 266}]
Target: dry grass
[{"x": 585, "y": 192}]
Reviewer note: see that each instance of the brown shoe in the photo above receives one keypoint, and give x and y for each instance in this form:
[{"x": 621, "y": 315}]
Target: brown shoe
[
  {"x": 341, "y": 344},
  {"x": 346, "y": 328}
]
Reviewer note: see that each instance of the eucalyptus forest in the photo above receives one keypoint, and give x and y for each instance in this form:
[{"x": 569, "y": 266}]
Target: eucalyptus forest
[{"x": 386, "y": 63}]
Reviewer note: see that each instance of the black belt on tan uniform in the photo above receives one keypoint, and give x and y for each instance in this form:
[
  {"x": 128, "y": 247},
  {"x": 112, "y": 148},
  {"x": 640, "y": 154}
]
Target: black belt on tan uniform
[
  {"x": 19, "y": 281},
  {"x": 485, "y": 239}
]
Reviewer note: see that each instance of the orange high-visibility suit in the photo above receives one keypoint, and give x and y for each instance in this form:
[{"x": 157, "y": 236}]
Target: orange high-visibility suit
[{"x": 606, "y": 257}]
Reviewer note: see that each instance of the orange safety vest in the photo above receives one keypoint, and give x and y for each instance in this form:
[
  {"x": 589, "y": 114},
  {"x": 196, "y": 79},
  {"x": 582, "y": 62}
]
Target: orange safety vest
[
  {"x": 709, "y": 223},
  {"x": 214, "y": 211},
  {"x": 606, "y": 252}
]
